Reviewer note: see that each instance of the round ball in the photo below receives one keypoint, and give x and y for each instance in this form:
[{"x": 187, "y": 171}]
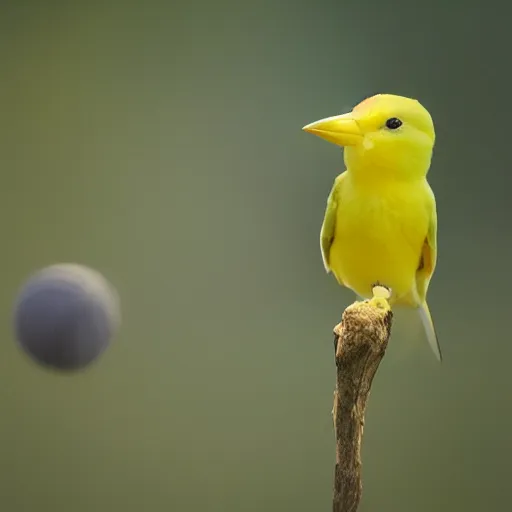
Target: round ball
[{"x": 65, "y": 316}]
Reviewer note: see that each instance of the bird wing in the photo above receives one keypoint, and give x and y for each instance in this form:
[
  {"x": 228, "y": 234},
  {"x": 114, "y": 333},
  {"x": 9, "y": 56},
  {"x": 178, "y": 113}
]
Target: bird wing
[
  {"x": 428, "y": 257},
  {"x": 329, "y": 223},
  {"x": 425, "y": 270}
]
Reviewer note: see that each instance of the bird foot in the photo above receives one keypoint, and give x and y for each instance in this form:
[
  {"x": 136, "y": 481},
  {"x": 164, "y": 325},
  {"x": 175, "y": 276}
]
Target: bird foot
[
  {"x": 381, "y": 295},
  {"x": 381, "y": 291}
]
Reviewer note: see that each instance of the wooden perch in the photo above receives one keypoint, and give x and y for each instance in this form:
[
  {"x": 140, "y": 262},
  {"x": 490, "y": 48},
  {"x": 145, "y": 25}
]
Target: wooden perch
[{"x": 360, "y": 342}]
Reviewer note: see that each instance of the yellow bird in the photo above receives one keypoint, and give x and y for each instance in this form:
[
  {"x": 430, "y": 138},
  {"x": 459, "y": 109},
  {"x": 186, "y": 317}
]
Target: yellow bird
[{"x": 380, "y": 224}]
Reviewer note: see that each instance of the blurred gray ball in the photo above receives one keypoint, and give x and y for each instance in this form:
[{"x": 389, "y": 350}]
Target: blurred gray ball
[{"x": 66, "y": 315}]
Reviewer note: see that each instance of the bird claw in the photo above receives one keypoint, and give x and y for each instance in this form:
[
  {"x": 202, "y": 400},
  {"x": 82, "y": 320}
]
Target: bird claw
[
  {"x": 381, "y": 291},
  {"x": 381, "y": 295}
]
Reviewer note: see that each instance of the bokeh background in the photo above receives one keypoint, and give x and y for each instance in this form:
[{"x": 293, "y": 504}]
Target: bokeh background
[{"x": 161, "y": 143}]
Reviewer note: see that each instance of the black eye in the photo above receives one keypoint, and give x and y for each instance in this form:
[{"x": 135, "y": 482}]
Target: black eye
[{"x": 393, "y": 123}]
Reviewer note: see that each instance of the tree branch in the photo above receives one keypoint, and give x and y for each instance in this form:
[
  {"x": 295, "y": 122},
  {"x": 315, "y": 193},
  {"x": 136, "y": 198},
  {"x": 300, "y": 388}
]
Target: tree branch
[{"x": 360, "y": 342}]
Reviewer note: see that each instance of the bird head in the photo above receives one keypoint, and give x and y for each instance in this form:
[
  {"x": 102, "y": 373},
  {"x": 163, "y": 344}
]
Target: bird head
[{"x": 383, "y": 135}]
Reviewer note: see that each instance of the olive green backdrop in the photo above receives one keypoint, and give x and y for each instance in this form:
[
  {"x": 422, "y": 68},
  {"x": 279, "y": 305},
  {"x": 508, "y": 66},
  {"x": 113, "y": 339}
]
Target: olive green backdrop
[{"x": 161, "y": 143}]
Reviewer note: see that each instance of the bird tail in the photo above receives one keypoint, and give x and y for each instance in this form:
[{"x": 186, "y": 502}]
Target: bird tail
[{"x": 428, "y": 324}]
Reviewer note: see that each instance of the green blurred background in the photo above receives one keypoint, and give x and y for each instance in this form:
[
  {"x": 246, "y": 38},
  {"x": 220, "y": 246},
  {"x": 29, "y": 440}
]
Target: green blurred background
[{"x": 161, "y": 143}]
